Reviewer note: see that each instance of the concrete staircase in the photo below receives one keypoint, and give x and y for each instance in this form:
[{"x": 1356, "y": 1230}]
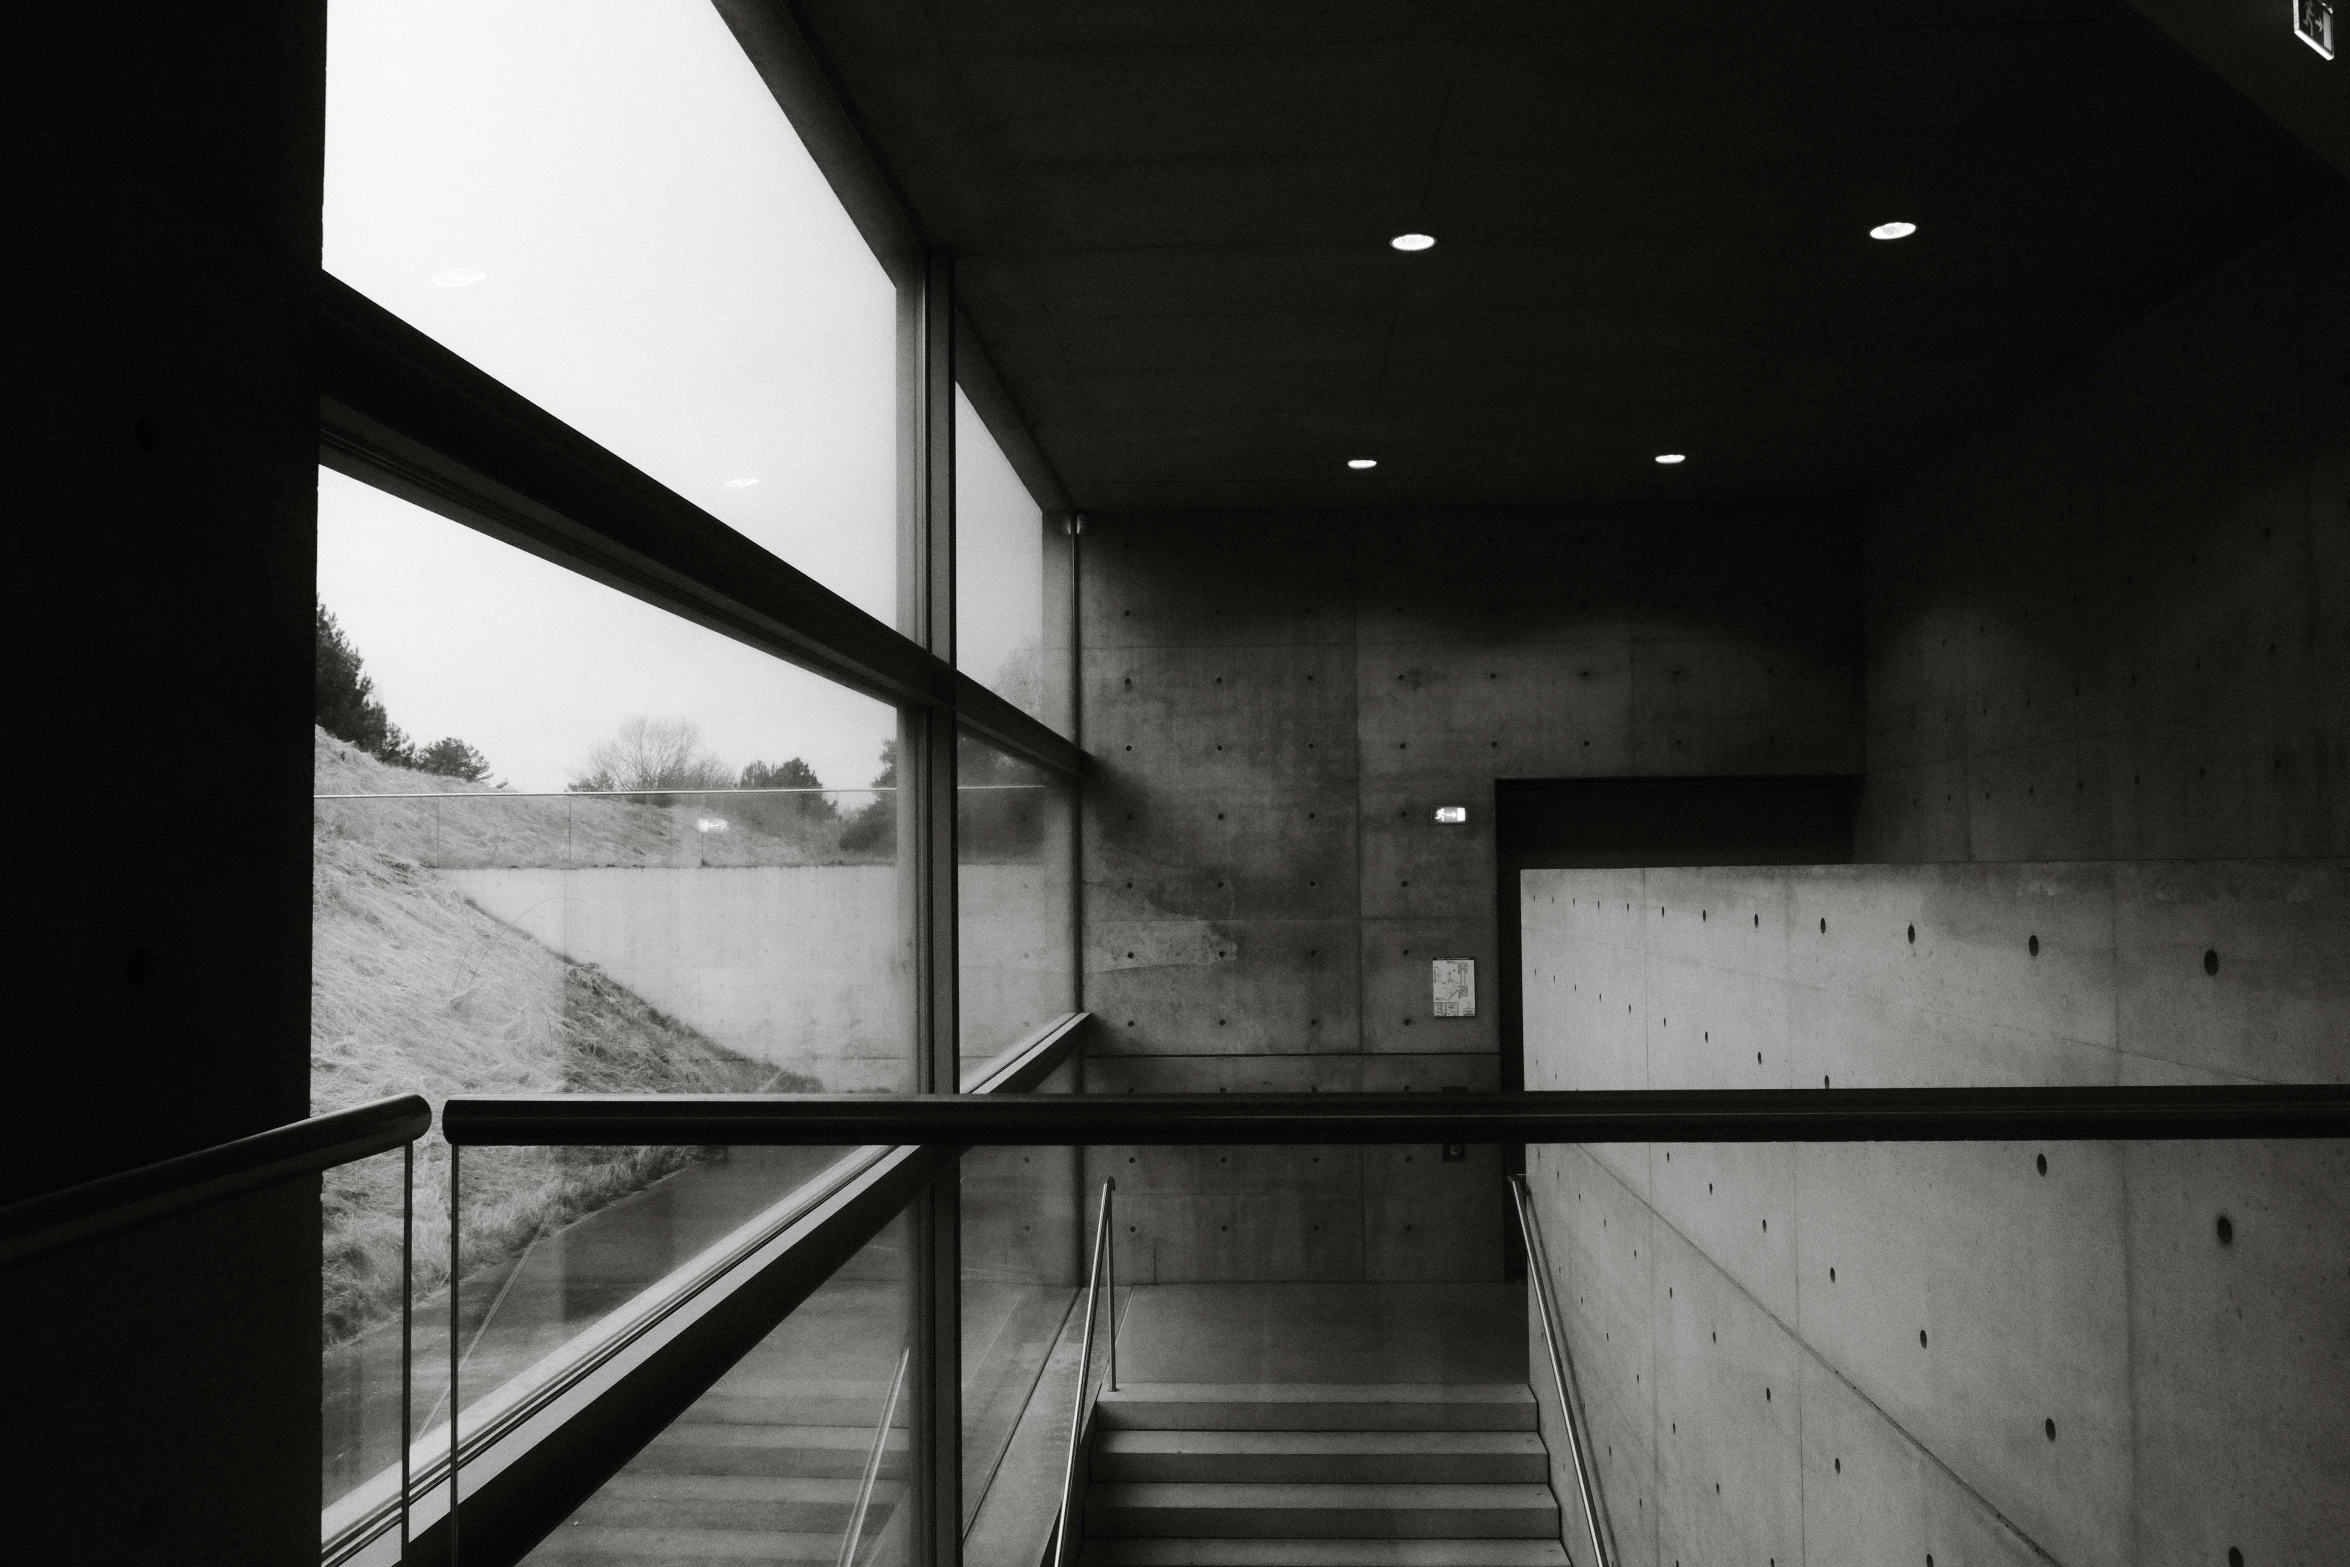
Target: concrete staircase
[{"x": 1319, "y": 1475}]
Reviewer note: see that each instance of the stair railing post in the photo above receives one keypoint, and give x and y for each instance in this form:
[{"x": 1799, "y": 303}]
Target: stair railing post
[
  {"x": 456, "y": 1272},
  {"x": 1562, "y": 1371},
  {"x": 873, "y": 1460},
  {"x": 1110, "y": 1273},
  {"x": 1095, "y": 1258},
  {"x": 407, "y": 1335}
]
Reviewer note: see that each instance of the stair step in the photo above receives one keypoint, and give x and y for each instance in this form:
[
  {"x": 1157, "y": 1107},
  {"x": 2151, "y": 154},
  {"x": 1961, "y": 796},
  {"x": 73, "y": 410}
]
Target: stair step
[
  {"x": 769, "y": 1403},
  {"x": 635, "y": 1500},
  {"x": 1323, "y": 1553},
  {"x": 591, "y": 1543},
  {"x": 1228, "y": 1511},
  {"x": 695, "y": 1446},
  {"x": 1318, "y": 1406},
  {"x": 1306, "y": 1457}
]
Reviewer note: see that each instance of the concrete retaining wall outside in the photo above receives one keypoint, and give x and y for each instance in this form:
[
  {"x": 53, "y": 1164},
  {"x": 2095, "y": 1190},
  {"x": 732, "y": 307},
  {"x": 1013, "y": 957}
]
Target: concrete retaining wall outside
[{"x": 799, "y": 965}]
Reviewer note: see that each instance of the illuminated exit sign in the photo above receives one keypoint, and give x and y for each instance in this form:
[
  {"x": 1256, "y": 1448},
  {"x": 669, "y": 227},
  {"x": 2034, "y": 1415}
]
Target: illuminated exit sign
[{"x": 2313, "y": 23}]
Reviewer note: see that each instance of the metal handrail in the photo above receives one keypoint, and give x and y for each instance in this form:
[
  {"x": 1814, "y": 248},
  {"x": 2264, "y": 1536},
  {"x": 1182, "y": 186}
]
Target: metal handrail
[
  {"x": 1103, "y": 1266},
  {"x": 114, "y": 1202},
  {"x": 889, "y": 1412},
  {"x": 1562, "y": 1375},
  {"x": 1030, "y": 1061},
  {"x": 509, "y": 1413},
  {"x": 58, "y": 1220},
  {"x": 1803, "y": 1115}
]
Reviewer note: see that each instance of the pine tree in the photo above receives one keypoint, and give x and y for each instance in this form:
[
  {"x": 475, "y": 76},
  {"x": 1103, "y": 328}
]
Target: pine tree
[
  {"x": 345, "y": 697},
  {"x": 345, "y": 707},
  {"x": 873, "y": 828},
  {"x": 452, "y": 758},
  {"x": 805, "y": 809}
]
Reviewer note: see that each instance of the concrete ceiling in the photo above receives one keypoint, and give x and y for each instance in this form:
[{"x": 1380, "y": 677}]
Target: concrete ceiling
[{"x": 1172, "y": 221}]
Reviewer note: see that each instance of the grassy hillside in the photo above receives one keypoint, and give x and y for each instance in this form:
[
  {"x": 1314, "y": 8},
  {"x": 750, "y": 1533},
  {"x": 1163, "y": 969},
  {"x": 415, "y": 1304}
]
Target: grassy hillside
[
  {"x": 414, "y": 990},
  {"x": 470, "y": 825}
]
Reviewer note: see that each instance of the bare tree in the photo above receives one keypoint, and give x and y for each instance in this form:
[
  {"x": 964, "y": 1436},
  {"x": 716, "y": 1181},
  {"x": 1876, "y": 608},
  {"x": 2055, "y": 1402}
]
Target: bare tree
[{"x": 654, "y": 754}]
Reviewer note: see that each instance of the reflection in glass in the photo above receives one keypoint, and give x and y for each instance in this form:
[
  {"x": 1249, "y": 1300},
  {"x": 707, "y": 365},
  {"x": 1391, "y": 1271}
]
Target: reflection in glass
[
  {"x": 363, "y": 1374},
  {"x": 621, "y": 868},
  {"x": 1017, "y": 946},
  {"x": 1009, "y": 589},
  {"x": 1020, "y": 1281},
  {"x": 802, "y": 1452},
  {"x": 599, "y": 203},
  {"x": 566, "y": 1249}
]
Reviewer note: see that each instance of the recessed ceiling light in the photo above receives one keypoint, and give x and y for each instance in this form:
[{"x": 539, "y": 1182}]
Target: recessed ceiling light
[
  {"x": 740, "y": 484},
  {"x": 1413, "y": 241},
  {"x": 458, "y": 277},
  {"x": 1893, "y": 231},
  {"x": 1670, "y": 458},
  {"x": 1362, "y": 462}
]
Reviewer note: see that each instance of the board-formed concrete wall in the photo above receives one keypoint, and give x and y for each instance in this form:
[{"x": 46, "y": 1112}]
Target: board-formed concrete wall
[
  {"x": 1279, "y": 703},
  {"x": 1838, "y": 1354}
]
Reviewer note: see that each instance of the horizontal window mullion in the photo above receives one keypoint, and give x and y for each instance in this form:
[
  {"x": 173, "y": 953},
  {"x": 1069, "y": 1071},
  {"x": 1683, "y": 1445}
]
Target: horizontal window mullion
[
  {"x": 995, "y": 720},
  {"x": 398, "y": 410}
]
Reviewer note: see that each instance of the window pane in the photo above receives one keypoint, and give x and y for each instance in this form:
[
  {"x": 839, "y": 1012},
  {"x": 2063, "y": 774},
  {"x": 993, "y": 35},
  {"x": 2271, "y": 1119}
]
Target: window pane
[
  {"x": 599, "y": 203},
  {"x": 1010, "y": 588},
  {"x": 361, "y": 1370},
  {"x": 1016, "y": 943},
  {"x": 1021, "y": 1269},
  {"x": 801, "y": 1453},
  {"x": 626, "y": 868}
]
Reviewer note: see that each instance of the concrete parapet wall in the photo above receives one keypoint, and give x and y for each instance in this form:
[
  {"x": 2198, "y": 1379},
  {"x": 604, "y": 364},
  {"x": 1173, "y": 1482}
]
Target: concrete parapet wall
[{"x": 1843, "y": 1353}]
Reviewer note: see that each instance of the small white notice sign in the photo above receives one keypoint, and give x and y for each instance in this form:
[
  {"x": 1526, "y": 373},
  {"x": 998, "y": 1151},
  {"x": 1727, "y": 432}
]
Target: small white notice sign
[{"x": 1453, "y": 986}]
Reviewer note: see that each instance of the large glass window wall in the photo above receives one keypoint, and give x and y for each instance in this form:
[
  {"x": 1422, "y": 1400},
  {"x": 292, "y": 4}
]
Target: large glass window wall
[
  {"x": 567, "y": 841},
  {"x": 600, "y": 203},
  {"x": 1022, "y": 1272}
]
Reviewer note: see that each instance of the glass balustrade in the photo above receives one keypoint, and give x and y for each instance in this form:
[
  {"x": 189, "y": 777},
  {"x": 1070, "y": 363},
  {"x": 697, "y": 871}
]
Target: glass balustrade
[
  {"x": 801, "y": 1451},
  {"x": 1907, "y": 1338},
  {"x": 1022, "y": 1275},
  {"x": 366, "y": 1320}
]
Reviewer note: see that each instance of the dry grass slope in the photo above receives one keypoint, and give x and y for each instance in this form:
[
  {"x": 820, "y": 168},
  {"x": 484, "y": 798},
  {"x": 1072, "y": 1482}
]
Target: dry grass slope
[
  {"x": 415, "y": 990},
  {"x": 458, "y": 824}
]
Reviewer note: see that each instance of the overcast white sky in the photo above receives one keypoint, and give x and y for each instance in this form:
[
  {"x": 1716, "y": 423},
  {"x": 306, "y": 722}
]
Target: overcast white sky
[
  {"x": 466, "y": 636},
  {"x": 599, "y": 203}
]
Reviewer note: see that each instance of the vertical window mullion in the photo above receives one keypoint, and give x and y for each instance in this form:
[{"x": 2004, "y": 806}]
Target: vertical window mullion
[{"x": 928, "y": 779}]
